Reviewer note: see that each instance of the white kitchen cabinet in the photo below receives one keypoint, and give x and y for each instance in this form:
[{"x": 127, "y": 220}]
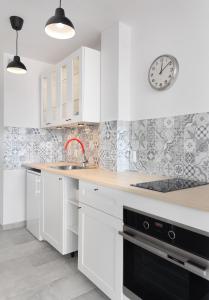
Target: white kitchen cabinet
[
  {"x": 65, "y": 90},
  {"x": 58, "y": 191},
  {"x": 45, "y": 117},
  {"x": 79, "y": 86},
  {"x": 54, "y": 104},
  {"x": 100, "y": 248},
  {"x": 110, "y": 200},
  {"x": 33, "y": 203},
  {"x": 78, "y": 90},
  {"x": 50, "y": 106}
]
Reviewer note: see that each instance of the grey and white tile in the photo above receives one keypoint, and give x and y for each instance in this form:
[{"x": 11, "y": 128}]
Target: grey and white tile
[
  {"x": 173, "y": 146},
  {"x": 23, "y": 145},
  {"x": 33, "y": 270}
]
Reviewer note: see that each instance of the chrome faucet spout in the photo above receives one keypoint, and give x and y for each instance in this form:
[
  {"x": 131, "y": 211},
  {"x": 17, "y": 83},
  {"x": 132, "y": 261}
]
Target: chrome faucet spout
[{"x": 85, "y": 160}]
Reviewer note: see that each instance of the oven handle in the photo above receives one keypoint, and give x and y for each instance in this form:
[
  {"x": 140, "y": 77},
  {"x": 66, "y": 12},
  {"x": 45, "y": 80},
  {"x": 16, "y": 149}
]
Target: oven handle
[{"x": 180, "y": 261}]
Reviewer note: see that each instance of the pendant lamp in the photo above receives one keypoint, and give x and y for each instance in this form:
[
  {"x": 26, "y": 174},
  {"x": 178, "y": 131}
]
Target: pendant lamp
[
  {"x": 59, "y": 26},
  {"x": 16, "y": 66}
]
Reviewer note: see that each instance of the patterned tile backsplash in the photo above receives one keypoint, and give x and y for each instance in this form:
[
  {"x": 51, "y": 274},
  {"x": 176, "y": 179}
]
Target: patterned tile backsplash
[
  {"x": 89, "y": 136},
  {"x": 22, "y": 145},
  {"x": 31, "y": 145},
  {"x": 176, "y": 146},
  {"x": 108, "y": 145}
]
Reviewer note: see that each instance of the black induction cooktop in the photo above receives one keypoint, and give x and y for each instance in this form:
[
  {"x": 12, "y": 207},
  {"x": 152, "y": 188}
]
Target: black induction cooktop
[{"x": 169, "y": 185}]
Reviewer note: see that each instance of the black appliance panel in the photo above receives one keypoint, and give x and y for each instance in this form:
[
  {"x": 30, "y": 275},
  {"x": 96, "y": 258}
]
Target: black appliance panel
[
  {"x": 153, "y": 278},
  {"x": 169, "y": 185},
  {"x": 174, "y": 235}
]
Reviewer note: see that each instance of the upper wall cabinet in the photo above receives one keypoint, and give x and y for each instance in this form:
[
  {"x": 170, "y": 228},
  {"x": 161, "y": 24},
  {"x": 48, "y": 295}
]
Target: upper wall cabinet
[
  {"x": 72, "y": 93},
  {"x": 50, "y": 106}
]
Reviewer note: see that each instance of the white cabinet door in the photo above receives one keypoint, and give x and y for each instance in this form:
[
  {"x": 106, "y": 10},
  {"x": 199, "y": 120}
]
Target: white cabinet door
[
  {"x": 50, "y": 106},
  {"x": 65, "y": 90},
  {"x": 71, "y": 90},
  {"x": 53, "y": 210},
  {"x": 77, "y": 85},
  {"x": 45, "y": 112},
  {"x": 102, "y": 198},
  {"x": 33, "y": 204},
  {"x": 100, "y": 250},
  {"x": 85, "y": 85},
  {"x": 58, "y": 217},
  {"x": 54, "y": 106}
]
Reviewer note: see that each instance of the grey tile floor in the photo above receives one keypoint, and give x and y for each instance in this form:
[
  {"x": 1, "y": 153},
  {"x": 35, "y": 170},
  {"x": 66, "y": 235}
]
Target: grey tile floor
[{"x": 33, "y": 270}]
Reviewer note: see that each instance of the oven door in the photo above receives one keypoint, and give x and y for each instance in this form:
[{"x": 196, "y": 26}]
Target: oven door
[{"x": 149, "y": 275}]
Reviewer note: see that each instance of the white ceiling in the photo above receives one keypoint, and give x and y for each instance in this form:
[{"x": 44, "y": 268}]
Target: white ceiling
[{"x": 90, "y": 17}]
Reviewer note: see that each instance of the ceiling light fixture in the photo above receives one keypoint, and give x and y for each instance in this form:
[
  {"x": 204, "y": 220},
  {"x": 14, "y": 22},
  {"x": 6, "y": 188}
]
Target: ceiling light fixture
[
  {"x": 16, "y": 66},
  {"x": 59, "y": 26}
]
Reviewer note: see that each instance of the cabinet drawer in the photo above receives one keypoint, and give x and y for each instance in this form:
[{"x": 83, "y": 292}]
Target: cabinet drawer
[{"x": 102, "y": 198}]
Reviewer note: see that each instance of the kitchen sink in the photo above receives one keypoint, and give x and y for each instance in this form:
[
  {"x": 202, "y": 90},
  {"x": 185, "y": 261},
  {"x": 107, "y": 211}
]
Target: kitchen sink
[{"x": 69, "y": 167}]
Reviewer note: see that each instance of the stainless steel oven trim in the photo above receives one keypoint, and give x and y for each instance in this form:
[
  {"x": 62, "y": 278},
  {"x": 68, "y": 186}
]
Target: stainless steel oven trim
[
  {"x": 181, "y": 225},
  {"x": 130, "y": 294},
  {"x": 177, "y": 257}
]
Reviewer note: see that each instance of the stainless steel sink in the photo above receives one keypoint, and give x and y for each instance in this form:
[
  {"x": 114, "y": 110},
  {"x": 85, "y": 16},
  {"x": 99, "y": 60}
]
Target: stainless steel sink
[{"x": 69, "y": 167}]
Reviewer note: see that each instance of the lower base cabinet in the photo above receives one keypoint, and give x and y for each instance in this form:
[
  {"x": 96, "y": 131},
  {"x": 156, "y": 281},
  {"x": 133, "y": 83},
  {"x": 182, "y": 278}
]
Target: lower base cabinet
[
  {"x": 58, "y": 213},
  {"x": 100, "y": 250}
]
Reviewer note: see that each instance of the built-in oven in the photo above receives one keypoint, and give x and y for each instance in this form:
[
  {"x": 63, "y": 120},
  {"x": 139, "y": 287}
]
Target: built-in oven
[{"x": 163, "y": 260}]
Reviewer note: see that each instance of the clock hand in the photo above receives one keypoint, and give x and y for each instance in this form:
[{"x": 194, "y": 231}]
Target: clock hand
[
  {"x": 164, "y": 68},
  {"x": 161, "y": 69}
]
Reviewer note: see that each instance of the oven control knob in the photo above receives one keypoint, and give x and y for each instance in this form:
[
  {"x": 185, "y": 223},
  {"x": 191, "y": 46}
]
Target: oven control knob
[
  {"x": 171, "y": 234},
  {"x": 146, "y": 225}
]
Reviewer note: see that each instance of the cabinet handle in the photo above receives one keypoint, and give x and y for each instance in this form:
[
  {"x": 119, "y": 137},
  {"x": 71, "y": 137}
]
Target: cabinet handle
[
  {"x": 68, "y": 120},
  {"x": 96, "y": 190},
  {"x": 79, "y": 207},
  {"x": 60, "y": 178},
  {"x": 48, "y": 123}
]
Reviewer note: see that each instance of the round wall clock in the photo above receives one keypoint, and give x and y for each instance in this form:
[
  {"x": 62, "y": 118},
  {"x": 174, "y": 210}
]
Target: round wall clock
[{"x": 163, "y": 72}]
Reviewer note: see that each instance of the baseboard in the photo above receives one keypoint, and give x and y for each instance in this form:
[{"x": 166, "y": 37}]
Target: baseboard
[{"x": 13, "y": 226}]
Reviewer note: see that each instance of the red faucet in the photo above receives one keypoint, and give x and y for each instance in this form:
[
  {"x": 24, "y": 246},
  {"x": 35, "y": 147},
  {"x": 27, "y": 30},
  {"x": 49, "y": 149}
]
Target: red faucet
[{"x": 82, "y": 148}]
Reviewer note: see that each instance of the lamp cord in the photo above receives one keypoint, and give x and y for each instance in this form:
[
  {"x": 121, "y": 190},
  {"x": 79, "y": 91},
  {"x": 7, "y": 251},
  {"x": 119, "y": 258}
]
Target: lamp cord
[
  {"x": 16, "y": 43},
  {"x": 60, "y": 3}
]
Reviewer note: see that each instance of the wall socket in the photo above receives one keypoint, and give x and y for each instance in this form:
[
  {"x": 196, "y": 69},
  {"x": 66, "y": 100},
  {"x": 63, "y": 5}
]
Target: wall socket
[{"x": 134, "y": 158}]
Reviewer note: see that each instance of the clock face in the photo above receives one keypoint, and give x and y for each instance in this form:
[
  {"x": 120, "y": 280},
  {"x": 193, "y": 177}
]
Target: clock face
[{"x": 163, "y": 72}]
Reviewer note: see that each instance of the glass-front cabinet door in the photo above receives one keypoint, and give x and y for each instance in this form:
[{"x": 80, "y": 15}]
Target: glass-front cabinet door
[
  {"x": 54, "y": 99},
  {"x": 76, "y": 61},
  {"x": 49, "y": 99},
  {"x": 71, "y": 90},
  {"x": 45, "y": 118},
  {"x": 65, "y": 78}
]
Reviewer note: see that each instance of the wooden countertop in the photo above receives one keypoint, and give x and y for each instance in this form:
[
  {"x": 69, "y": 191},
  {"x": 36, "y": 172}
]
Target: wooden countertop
[{"x": 196, "y": 198}]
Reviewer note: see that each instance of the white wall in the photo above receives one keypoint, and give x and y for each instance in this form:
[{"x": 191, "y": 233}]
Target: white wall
[
  {"x": 22, "y": 94},
  {"x": 180, "y": 28}
]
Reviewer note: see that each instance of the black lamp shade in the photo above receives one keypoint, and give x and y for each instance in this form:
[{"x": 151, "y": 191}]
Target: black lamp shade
[
  {"x": 16, "y": 66},
  {"x": 60, "y": 27}
]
